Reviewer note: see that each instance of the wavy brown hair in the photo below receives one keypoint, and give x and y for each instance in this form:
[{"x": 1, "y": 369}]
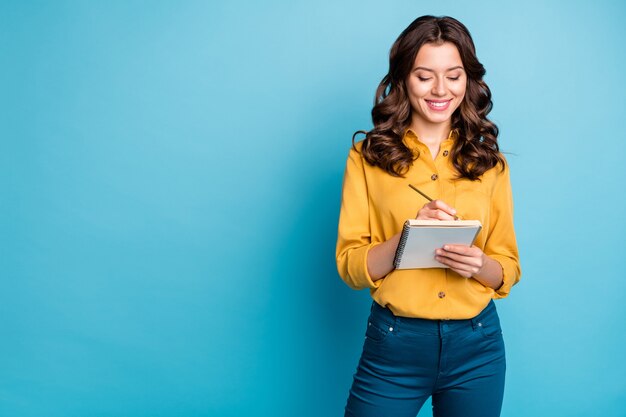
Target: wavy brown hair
[{"x": 476, "y": 149}]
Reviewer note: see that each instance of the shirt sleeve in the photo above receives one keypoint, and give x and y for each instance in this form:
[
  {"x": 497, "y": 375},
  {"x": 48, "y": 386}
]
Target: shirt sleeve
[
  {"x": 354, "y": 234},
  {"x": 501, "y": 243}
]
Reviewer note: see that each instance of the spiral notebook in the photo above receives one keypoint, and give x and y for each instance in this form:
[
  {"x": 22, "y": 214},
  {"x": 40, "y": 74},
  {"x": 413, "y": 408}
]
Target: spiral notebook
[{"x": 420, "y": 239}]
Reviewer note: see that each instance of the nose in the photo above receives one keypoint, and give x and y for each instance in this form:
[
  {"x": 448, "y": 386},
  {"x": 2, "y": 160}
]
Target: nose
[{"x": 439, "y": 87}]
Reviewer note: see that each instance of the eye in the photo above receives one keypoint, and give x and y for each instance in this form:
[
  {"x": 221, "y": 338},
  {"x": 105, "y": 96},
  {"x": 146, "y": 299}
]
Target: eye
[
  {"x": 423, "y": 78},
  {"x": 454, "y": 78}
]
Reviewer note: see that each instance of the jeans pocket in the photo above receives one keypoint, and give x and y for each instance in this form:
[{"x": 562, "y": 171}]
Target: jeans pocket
[
  {"x": 490, "y": 329},
  {"x": 488, "y": 323},
  {"x": 374, "y": 333},
  {"x": 377, "y": 330}
]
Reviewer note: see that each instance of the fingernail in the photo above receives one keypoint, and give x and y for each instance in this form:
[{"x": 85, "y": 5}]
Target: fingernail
[{"x": 446, "y": 247}]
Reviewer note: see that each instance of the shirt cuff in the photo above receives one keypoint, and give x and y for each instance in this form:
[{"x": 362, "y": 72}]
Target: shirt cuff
[
  {"x": 358, "y": 275},
  {"x": 510, "y": 276}
]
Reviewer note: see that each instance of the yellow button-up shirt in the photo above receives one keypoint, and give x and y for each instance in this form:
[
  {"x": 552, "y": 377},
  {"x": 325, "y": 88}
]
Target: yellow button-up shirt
[{"x": 374, "y": 207}]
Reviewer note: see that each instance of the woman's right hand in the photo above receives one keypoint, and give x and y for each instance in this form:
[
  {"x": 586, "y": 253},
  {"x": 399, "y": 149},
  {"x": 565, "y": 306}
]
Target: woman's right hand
[{"x": 436, "y": 210}]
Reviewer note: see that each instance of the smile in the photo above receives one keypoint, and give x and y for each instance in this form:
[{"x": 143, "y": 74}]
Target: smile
[{"x": 438, "y": 105}]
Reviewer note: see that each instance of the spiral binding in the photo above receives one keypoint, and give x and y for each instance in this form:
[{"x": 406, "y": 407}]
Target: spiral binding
[{"x": 400, "y": 249}]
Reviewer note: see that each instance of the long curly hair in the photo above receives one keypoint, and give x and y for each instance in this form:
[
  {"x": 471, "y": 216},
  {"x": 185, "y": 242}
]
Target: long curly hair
[{"x": 476, "y": 148}]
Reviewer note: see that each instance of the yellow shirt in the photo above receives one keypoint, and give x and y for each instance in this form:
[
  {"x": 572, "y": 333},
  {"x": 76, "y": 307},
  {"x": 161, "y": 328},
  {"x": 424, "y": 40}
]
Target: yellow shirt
[{"x": 375, "y": 206}]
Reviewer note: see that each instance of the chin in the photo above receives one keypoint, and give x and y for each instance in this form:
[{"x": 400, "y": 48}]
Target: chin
[{"x": 438, "y": 119}]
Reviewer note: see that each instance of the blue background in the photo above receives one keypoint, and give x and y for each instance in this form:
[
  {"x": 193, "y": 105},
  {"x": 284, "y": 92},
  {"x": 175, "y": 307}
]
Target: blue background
[{"x": 170, "y": 178}]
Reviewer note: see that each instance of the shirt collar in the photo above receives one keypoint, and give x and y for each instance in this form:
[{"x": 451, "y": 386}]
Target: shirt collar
[{"x": 410, "y": 138}]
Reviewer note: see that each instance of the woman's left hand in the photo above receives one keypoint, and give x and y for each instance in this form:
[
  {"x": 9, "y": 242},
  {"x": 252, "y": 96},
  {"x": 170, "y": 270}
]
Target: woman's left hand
[
  {"x": 465, "y": 260},
  {"x": 471, "y": 262}
]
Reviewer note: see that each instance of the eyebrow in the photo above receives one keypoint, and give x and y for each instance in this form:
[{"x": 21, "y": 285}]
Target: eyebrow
[{"x": 432, "y": 70}]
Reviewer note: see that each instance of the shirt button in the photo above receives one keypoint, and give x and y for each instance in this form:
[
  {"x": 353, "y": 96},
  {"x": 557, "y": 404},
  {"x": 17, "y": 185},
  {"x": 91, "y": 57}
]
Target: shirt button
[
  {"x": 434, "y": 177},
  {"x": 441, "y": 294},
  {"x": 445, "y": 153}
]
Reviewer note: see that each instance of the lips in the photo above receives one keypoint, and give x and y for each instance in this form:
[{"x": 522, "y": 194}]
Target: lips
[{"x": 438, "y": 105}]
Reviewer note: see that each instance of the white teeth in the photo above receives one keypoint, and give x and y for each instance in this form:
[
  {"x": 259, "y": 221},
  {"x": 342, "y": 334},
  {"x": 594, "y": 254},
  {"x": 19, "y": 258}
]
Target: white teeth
[{"x": 432, "y": 103}]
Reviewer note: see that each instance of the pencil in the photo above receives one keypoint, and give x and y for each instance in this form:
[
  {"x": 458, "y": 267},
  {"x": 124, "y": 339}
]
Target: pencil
[
  {"x": 428, "y": 198},
  {"x": 423, "y": 195}
]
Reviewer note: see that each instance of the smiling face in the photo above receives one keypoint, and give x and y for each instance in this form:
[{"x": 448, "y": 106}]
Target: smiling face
[{"x": 436, "y": 85}]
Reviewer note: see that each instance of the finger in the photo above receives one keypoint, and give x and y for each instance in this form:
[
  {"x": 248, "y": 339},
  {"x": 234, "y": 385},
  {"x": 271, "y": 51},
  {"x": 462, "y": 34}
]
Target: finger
[
  {"x": 462, "y": 253},
  {"x": 460, "y": 259},
  {"x": 428, "y": 213},
  {"x": 442, "y": 215},
  {"x": 464, "y": 274},
  {"x": 441, "y": 205},
  {"x": 460, "y": 267},
  {"x": 462, "y": 249}
]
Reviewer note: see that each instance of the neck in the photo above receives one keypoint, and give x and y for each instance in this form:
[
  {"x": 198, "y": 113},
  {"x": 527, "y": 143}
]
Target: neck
[{"x": 431, "y": 134}]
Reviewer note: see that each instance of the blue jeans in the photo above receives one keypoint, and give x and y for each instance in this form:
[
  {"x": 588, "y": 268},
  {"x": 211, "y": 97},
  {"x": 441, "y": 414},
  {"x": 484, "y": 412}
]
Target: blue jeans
[{"x": 460, "y": 363}]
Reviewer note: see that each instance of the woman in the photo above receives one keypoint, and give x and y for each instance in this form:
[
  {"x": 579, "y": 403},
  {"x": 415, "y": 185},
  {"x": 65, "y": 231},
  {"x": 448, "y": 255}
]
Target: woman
[{"x": 431, "y": 332}]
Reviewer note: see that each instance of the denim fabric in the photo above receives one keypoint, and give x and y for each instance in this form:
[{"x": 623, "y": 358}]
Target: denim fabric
[{"x": 460, "y": 363}]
